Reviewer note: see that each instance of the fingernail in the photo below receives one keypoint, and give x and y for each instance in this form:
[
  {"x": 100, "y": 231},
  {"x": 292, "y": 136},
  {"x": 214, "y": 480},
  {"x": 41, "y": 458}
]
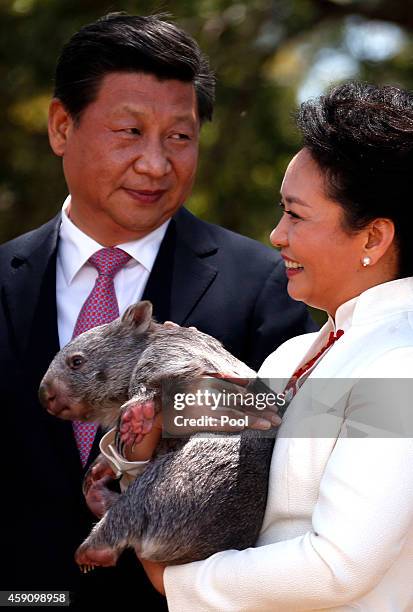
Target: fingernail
[
  {"x": 276, "y": 420},
  {"x": 262, "y": 424}
]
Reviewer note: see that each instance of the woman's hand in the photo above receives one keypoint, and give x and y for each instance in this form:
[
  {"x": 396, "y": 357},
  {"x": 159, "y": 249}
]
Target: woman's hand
[
  {"x": 155, "y": 572},
  {"x": 220, "y": 383},
  {"x": 263, "y": 418},
  {"x": 202, "y": 404}
]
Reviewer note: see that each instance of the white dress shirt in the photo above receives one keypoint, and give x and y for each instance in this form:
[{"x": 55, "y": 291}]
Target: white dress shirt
[
  {"x": 75, "y": 277},
  {"x": 338, "y": 528}
]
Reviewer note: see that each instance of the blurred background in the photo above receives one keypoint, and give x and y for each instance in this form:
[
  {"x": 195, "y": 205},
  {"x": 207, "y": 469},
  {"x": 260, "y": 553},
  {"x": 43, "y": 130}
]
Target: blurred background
[{"x": 268, "y": 56}]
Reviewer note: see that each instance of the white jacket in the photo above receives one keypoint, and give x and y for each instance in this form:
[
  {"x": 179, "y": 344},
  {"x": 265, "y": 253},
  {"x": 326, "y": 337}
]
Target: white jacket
[{"x": 338, "y": 529}]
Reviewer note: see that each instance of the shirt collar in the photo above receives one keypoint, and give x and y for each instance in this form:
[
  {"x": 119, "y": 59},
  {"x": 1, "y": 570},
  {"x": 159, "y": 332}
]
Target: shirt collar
[
  {"x": 344, "y": 316},
  {"x": 75, "y": 247},
  {"x": 373, "y": 304}
]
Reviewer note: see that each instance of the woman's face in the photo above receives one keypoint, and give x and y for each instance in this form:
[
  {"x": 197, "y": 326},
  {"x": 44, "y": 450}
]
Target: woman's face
[{"x": 323, "y": 262}]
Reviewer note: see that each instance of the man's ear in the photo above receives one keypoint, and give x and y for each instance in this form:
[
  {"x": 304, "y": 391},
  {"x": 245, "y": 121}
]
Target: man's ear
[
  {"x": 59, "y": 126},
  {"x": 138, "y": 316}
]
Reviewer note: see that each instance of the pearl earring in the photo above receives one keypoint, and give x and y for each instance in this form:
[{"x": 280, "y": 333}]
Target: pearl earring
[{"x": 366, "y": 261}]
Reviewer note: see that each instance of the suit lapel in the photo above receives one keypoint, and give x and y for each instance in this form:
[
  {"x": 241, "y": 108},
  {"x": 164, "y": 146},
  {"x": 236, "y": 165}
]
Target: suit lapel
[
  {"x": 192, "y": 278},
  {"x": 158, "y": 289},
  {"x": 181, "y": 274},
  {"x": 30, "y": 271},
  {"x": 30, "y": 293}
]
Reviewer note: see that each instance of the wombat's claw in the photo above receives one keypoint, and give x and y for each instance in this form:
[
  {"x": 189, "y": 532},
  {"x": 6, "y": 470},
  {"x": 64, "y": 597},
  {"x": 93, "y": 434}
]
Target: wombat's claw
[{"x": 85, "y": 569}]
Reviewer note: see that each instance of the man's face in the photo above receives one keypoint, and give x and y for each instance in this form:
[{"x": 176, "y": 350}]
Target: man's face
[{"x": 130, "y": 162}]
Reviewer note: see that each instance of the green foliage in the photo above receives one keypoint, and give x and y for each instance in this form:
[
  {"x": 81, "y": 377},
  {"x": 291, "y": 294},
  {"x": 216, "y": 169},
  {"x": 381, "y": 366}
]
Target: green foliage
[{"x": 261, "y": 50}]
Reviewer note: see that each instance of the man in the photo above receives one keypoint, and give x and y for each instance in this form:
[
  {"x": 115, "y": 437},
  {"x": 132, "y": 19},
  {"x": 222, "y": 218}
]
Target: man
[{"x": 131, "y": 94}]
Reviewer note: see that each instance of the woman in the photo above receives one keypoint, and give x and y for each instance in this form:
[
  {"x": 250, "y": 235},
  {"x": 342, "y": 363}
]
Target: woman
[{"x": 338, "y": 530}]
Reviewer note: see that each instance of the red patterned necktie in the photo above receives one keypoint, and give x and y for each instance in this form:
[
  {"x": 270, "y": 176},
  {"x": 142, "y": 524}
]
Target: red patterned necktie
[{"x": 100, "y": 307}]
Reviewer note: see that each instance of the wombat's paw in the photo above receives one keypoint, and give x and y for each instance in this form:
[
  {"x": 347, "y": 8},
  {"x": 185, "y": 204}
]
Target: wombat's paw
[
  {"x": 99, "y": 498},
  {"x": 99, "y": 469},
  {"x": 87, "y": 557},
  {"x": 136, "y": 420}
]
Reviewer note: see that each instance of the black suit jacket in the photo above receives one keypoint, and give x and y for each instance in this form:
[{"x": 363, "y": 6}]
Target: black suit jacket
[{"x": 226, "y": 285}]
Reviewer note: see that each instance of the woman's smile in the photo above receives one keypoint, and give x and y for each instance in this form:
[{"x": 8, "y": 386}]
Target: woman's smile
[{"x": 292, "y": 267}]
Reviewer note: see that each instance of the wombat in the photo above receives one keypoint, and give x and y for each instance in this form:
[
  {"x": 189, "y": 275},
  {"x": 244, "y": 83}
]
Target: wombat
[{"x": 198, "y": 495}]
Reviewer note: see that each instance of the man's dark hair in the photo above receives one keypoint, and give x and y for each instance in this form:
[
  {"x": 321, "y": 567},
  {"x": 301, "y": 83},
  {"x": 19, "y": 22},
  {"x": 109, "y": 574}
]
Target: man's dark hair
[
  {"x": 361, "y": 136},
  {"x": 126, "y": 43}
]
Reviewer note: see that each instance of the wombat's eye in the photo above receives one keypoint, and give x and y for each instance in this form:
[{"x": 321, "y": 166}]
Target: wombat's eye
[{"x": 75, "y": 361}]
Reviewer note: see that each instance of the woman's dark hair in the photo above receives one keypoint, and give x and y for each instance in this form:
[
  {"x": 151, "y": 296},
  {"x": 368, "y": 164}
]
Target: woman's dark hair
[
  {"x": 361, "y": 136},
  {"x": 126, "y": 43}
]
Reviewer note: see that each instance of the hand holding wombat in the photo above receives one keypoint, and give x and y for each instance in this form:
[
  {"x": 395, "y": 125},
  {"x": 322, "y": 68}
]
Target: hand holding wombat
[{"x": 197, "y": 496}]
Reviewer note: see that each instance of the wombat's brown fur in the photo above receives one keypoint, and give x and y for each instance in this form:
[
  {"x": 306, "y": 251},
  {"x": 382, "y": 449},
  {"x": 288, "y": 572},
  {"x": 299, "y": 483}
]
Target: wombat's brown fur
[{"x": 197, "y": 496}]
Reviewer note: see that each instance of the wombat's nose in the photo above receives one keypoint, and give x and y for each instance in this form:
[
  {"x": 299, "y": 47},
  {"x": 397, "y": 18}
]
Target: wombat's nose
[{"x": 46, "y": 394}]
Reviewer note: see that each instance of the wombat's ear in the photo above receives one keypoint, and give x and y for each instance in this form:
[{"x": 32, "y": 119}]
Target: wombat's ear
[{"x": 139, "y": 316}]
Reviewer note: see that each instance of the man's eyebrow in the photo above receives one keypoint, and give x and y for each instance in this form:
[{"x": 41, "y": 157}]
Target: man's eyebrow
[
  {"x": 291, "y": 199},
  {"x": 129, "y": 109},
  {"x": 134, "y": 111}
]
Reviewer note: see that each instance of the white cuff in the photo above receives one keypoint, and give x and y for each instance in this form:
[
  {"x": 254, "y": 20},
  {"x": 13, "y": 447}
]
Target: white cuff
[{"x": 124, "y": 469}]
